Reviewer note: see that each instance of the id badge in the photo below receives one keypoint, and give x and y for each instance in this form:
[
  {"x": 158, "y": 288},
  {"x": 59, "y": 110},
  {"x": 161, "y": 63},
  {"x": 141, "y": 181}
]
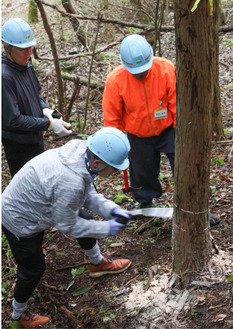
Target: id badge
[{"x": 160, "y": 114}]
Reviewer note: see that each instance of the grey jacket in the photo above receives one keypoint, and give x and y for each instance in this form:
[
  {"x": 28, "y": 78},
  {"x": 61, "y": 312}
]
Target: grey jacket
[{"x": 50, "y": 190}]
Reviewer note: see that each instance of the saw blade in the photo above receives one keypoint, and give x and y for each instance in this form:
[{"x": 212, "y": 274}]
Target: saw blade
[{"x": 153, "y": 212}]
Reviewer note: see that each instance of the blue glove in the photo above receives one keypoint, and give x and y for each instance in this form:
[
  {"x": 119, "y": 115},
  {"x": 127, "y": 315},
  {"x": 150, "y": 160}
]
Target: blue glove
[
  {"x": 118, "y": 211},
  {"x": 114, "y": 226}
]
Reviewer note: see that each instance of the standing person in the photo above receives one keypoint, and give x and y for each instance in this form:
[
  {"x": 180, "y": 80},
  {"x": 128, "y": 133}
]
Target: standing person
[
  {"x": 51, "y": 190},
  {"x": 140, "y": 98},
  {"x": 25, "y": 114}
]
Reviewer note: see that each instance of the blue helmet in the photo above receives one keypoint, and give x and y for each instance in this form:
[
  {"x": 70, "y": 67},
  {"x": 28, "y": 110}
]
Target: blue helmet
[
  {"x": 17, "y": 32},
  {"x": 136, "y": 54},
  {"x": 112, "y": 146}
]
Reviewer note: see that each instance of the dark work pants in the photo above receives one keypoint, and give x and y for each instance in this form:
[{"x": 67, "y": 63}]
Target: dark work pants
[
  {"x": 144, "y": 157},
  {"x": 86, "y": 243},
  {"x": 30, "y": 260},
  {"x": 18, "y": 154}
]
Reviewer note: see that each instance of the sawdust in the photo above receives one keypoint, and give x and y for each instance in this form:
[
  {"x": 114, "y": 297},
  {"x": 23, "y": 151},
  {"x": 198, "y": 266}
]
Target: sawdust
[{"x": 163, "y": 301}]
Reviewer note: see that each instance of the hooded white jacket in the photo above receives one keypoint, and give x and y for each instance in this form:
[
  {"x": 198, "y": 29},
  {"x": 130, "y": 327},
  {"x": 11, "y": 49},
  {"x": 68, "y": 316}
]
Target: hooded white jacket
[{"x": 50, "y": 190}]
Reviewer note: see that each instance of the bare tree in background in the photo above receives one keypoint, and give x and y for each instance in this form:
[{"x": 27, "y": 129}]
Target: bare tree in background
[
  {"x": 81, "y": 35},
  {"x": 55, "y": 56},
  {"x": 32, "y": 12}
]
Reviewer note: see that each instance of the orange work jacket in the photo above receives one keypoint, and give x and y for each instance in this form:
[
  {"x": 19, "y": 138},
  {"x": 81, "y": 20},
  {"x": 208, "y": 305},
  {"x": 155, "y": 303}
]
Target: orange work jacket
[{"x": 142, "y": 108}]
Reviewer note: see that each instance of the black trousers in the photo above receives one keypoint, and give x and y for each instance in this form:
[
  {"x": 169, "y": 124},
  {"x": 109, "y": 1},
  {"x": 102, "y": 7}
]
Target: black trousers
[
  {"x": 144, "y": 157},
  {"x": 30, "y": 260},
  {"x": 18, "y": 154}
]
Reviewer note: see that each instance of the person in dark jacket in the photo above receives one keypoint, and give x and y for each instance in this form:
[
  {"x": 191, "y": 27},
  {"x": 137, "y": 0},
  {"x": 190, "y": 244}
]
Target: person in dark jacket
[{"x": 25, "y": 114}]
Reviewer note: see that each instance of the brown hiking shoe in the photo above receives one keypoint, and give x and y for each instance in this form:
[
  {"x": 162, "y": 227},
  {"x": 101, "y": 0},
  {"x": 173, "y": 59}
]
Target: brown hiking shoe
[
  {"x": 29, "y": 320},
  {"x": 109, "y": 266}
]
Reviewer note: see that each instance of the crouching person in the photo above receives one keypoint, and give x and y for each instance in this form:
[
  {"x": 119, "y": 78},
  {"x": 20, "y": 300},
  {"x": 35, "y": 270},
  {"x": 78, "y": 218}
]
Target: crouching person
[{"x": 51, "y": 190}]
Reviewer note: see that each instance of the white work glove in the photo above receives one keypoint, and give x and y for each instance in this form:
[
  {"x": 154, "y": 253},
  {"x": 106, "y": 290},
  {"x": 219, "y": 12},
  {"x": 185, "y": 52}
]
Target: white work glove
[
  {"x": 51, "y": 113},
  {"x": 48, "y": 113},
  {"x": 58, "y": 126}
]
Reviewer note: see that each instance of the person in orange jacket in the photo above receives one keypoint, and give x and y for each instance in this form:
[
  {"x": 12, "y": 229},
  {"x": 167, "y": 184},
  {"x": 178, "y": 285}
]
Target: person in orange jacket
[{"x": 140, "y": 98}]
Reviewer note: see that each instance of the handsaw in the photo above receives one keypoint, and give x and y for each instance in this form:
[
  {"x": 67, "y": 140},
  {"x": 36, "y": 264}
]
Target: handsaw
[{"x": 147, "y": 212}]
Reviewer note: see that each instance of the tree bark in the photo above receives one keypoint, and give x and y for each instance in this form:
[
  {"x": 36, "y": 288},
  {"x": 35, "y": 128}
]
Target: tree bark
[
  {"x": 217, "y": 126},
  {"x": 195, "y": 59},
  {"x": 55, "y": 56}
]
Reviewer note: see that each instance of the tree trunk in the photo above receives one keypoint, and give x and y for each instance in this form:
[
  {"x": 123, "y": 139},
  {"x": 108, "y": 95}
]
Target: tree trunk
[
  {"x": 217, "y": 126},
  {"x": 81, "y": 36},
  {"x": 32, "y": 12},
  {"x": 195, "y": 59},
  {"x": 222, "y": 14},
  {"x": 55, "y": 56}
]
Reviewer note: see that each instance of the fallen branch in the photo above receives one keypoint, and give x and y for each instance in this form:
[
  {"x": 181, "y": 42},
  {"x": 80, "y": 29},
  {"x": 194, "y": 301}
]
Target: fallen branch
[
  {"x": 227, "y": 28},
  {"x": 224, "y": 64},
  {"x": 83, "y": 81},
  {"x": 225, "y": 141},
  {"x": 68, "y": 267},
  {"x": 131, "y": 280},
  {"x": 110, "y": 45},
  {"x": 143, "y": 225},
  {"x": 74, "y": 322},
  {"x": 72, "y": 318}
]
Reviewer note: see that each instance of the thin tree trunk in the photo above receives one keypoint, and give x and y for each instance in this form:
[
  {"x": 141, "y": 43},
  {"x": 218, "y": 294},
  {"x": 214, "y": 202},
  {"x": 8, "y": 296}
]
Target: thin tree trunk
[
  {"x": 195, "y": 59},
  {"x": 222, "y": 13},
  {"x": 90, "y": 70},
  {"x": 160, "y": 24},
  {"x": 55, "y": 56},
  {"x": 156, "y": 33},
  {"x": 32, "y": 12},
  {"x": 81, "y": 35}
]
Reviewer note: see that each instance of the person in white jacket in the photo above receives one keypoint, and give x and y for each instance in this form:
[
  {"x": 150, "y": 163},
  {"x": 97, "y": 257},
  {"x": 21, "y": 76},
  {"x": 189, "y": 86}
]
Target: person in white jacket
[{"x": 51, "y": 190}]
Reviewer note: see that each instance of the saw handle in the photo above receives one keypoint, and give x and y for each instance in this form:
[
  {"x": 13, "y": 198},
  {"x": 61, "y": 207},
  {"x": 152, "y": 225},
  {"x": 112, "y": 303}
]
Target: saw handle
[
  {"x": 56, "y": 114},
  {"x": 122, "y": 220}
]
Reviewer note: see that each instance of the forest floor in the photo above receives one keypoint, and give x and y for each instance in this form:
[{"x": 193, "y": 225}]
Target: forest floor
[{"x": 146, "y": 295}]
